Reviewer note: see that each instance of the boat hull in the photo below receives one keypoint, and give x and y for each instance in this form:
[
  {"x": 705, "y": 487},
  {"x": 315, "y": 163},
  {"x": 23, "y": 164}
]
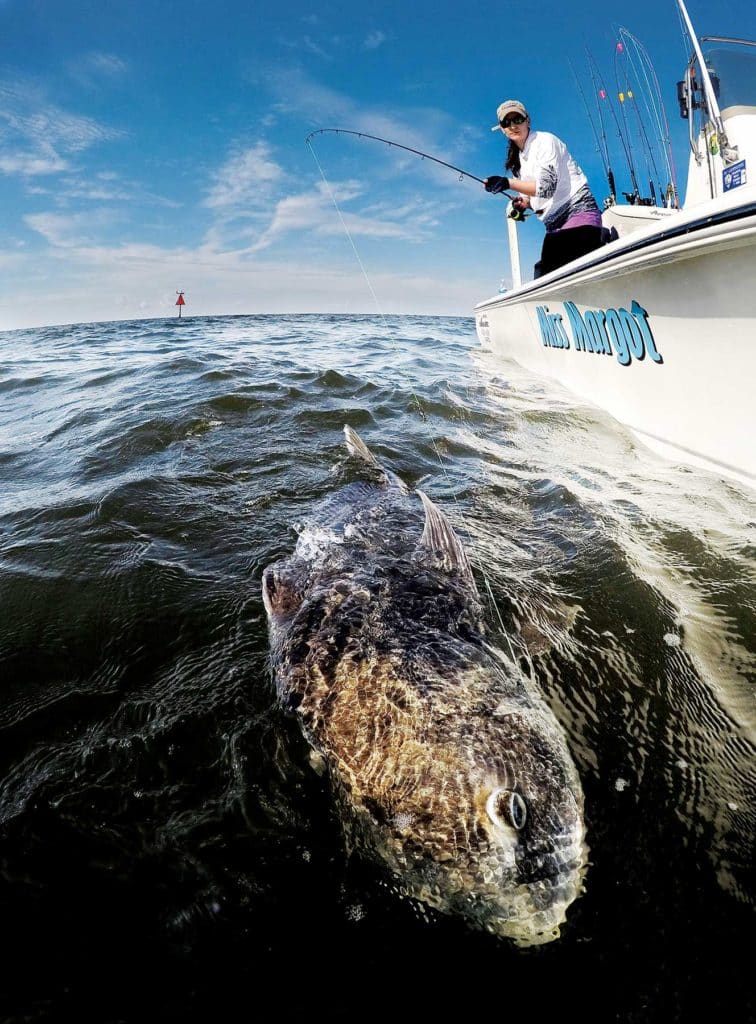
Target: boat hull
[{"x": 658, "y": 331}]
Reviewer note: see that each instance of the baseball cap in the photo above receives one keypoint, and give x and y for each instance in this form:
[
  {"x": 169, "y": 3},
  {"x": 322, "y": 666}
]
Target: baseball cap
[{"x": 508, "y": 107}]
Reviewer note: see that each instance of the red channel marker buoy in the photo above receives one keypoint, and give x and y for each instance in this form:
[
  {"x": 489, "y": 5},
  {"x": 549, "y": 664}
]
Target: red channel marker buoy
[{"x": 180, "y": 302}]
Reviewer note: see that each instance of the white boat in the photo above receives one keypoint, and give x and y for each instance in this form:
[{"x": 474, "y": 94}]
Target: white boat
[{"x": 658, "y": 326}]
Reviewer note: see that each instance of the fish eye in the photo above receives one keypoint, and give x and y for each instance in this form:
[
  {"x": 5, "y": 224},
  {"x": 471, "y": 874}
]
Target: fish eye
[
  {"x": 509, "y": 806},
  {"x": 518, "y": 811}
]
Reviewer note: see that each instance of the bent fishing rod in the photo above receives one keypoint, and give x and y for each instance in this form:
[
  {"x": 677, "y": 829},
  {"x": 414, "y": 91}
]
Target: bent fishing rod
[
  {"x": 515, "y": 213},
  {"x": 396, "y": 145}
]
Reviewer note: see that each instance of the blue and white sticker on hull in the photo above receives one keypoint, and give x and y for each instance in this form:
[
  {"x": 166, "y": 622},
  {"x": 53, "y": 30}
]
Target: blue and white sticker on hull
[
  {"x": 734, "y": 176},
  {"x": 624, "y": 333}
]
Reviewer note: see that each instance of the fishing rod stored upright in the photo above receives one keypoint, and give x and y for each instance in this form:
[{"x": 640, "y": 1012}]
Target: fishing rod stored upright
[{"x": 602, "y": 147}]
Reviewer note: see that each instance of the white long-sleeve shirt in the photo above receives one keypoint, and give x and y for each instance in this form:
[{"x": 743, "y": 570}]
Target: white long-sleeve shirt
[{"x": 562, "y": 190}]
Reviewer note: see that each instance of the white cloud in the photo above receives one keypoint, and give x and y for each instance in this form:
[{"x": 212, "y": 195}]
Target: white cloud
[
  {"x": 106, "y": 63},
  {"x": 69, "y": 131},
  {"x": 240, "y": 189},
  {"x": 97, "y": 69},
  {"x": 54, "y": 228},
  {"x": 70, "y": 230},
  {"x": 267, "y": 227},
  {"x": 134, "y": 281},
  {"x": 13, "y": 260},
  {"x": 307, "y": 44},
  {"x": 423, "y": 128},
  {"x": 374, "y": 39},
  {"x": 310, "y": 46},
  {"x": 32, "y": 164},
  {"x": 41, "y": 133},
  {"x": 314, "y": 212},
  {"x": 243, "y": 181},
  {"x": 107, "y": 187},
  {"x": 48, "y": 125}
]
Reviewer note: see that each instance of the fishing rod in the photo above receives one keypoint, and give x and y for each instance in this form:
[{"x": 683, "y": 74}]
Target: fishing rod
[
  {"x": 603, "y": 95},
  {"x": 515, "y": 213},
  {"x": 631, "y": 48},
  {"x": 396, "y": 145},
  {"x": 654, "y": 102},
  {"x": 650, "y": 158},
  {"x": 601, "y": 144},
  {"x": 626, "y": 95}
]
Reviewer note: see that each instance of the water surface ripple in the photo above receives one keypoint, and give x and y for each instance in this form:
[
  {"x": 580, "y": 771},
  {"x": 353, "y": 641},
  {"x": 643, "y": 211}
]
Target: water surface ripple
[{"x": 165, "y": 849}]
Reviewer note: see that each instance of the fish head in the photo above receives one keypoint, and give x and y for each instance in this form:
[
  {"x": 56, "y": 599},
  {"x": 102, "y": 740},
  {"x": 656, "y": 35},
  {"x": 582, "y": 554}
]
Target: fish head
[
  {"x": 282, "y": 593},
  {"x": 526, "y": 864},
  {"x": 488, "y": 826}
]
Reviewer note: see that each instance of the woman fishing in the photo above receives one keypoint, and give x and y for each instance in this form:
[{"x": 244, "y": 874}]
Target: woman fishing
[{"x": 551, "y": 184}]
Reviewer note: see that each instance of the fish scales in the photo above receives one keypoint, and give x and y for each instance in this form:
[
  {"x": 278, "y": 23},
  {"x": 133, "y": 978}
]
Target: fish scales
[{"x": 448, "y": 768}]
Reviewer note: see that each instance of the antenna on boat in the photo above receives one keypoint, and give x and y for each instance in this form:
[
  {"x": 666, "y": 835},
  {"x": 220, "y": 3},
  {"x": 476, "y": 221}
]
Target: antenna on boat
[{"x": 601, "y": 144}]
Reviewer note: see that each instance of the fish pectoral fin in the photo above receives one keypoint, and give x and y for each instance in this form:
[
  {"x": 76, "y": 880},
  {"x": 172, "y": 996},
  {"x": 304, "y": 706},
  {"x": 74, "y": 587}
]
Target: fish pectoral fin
[
  {"x": 280, "y": 595},
  {"x": 357, "y": 447},
  {"x": 440, "y": 540}
]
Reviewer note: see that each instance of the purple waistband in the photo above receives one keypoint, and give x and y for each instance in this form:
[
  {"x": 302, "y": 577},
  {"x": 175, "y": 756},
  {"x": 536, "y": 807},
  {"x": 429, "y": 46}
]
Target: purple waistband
[{"x": 584, "y": 219}]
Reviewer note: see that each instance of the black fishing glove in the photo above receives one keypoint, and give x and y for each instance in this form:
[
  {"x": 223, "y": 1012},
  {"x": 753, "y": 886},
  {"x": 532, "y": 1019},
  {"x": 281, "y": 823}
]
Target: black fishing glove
[{"x": 496, "y": 184}]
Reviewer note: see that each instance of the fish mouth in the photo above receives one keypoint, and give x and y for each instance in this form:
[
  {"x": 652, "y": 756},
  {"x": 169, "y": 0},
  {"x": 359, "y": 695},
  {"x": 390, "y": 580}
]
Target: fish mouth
[
  {"x": 526, "y": 903},
  {"x": 535, "y": 915},
  {"x": 536, "y": 912},
  {"x": 532, "y": 911},
  {"x": 529, "y": 914},
  {"x": 537, "y": 933}
]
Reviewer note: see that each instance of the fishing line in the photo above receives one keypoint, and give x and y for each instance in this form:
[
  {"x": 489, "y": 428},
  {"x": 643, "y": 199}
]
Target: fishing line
[
  {"x": 396, "y": 349},
  {"x": 346, "y": 229}
]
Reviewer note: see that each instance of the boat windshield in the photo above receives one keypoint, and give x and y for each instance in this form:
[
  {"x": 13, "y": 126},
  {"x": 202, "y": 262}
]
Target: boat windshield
[{"x": 733, "y": 75}]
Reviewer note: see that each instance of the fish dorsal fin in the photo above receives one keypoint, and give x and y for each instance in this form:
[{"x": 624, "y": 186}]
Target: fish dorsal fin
[
  {"x": 358, "y": 448},
  {"x": 440, "y": 539}
]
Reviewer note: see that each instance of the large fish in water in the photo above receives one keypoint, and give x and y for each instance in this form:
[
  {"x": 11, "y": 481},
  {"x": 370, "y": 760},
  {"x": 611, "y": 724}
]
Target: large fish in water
[{"x": 449, "y": 770}]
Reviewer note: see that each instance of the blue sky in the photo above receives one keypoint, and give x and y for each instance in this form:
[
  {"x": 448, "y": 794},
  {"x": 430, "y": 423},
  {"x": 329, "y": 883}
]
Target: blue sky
[{"x": 152, "y": 146}]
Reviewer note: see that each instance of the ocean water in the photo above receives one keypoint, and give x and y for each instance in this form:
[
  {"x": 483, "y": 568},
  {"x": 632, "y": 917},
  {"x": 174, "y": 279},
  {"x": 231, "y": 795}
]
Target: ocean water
[{"x": 167, "y": 853}]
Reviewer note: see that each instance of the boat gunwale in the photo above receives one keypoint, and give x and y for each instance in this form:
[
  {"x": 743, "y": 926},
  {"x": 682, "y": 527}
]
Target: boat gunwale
[{"x": 575, "y": 271}]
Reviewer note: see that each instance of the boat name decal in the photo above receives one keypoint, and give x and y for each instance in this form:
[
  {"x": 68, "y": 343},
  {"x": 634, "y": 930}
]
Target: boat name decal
[{"x": 622, "y": 332}]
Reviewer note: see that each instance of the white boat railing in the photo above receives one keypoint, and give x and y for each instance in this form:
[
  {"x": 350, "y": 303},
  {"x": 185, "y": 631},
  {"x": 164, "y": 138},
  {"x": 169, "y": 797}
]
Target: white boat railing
[
  {"x": 514, "y": 248},
  {"x": 711, "y": 99}
]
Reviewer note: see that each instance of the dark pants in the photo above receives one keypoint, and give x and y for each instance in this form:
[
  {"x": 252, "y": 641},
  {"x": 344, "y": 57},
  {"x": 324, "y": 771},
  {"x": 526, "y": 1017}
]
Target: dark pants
[{"x": 560, "y": 247}]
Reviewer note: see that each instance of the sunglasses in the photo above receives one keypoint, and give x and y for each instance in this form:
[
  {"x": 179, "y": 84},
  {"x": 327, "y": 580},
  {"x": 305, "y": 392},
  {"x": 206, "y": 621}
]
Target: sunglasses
[{"x": 514, "y": 119}]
